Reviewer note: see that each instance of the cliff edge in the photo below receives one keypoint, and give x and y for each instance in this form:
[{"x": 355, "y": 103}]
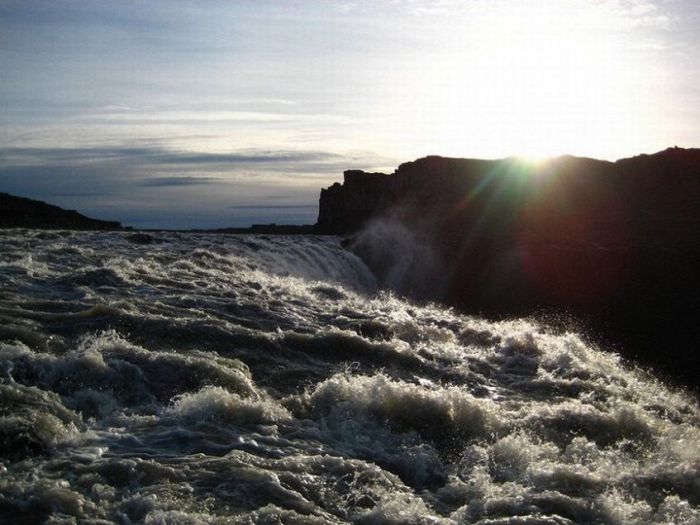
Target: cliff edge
[{"x": 615, "y": 245}]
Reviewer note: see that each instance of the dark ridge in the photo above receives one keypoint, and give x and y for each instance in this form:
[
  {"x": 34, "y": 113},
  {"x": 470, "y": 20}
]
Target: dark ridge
[
  {"x": 266, "y": 229},
  {"x": 613, "y": 244},
  {"x": 19, "y": 212}
]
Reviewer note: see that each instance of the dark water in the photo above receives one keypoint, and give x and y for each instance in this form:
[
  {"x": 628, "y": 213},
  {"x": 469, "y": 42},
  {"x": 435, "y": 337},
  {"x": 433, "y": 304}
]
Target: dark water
[{"x": 222, "y": 379}]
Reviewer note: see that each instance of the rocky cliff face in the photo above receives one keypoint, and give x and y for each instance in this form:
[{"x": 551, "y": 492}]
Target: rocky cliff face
[
  {"x": 18, "y": 212},
  {"x": 616, "y": 245}
]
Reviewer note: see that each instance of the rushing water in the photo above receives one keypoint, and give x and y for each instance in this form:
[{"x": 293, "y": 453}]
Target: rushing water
[{"x": 243, "y": 379}]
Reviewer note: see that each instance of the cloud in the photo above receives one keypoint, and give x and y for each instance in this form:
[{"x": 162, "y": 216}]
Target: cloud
[
  {"x": 613, "y": 14},
  {"x": 157, "y": 155},
  {"x": 252, "y": 157},
  {"x": 178, "y": 181},
  {"x": 211, "y": 115},
  {"x": 272, "y": 206},
  {"x": 205, "y": 189},
  {"x": 176, "y": 167},
  {"x": 41, "y": 156},
  {"x": 83, "y": 194}
]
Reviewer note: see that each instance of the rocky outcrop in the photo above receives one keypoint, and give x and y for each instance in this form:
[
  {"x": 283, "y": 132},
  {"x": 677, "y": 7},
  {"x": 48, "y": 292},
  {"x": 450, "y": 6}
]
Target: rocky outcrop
[
  {"x": 615, "y": 245},
  {"x": 346, "y": 208},
  {"x": 18, "y": 212}
]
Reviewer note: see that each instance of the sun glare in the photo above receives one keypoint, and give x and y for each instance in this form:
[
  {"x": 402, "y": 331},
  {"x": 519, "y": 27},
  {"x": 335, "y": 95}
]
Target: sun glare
[
  {"x": 531, "y": 82},
  {"x": 533, "y": 160}
]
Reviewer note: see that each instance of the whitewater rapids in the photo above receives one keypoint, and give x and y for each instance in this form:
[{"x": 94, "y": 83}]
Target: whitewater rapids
[{"x": 257, "y": 379}]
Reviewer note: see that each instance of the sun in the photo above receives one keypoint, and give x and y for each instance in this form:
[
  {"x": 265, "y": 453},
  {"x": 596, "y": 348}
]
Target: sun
[{"x": 530, "y": 82}]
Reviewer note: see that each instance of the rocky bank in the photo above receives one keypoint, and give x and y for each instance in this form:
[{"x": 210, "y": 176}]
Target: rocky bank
[{"x": 614, "y": 246}]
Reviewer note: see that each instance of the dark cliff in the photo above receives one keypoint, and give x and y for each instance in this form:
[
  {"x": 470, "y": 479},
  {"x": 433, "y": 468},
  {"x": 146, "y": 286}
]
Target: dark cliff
[
  {"x": 18, "y": 212},
  {"x": 615, "y": 245}
]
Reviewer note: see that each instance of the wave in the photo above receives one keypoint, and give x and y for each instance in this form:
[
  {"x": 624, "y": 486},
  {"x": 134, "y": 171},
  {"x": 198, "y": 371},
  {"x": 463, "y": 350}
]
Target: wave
[{"x": 261, "y": 379}]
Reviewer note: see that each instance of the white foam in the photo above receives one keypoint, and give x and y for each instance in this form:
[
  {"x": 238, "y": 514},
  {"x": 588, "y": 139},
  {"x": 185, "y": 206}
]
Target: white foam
[
  {"x": 218, "y": 404},
  {"x": 245, "y": 379}
]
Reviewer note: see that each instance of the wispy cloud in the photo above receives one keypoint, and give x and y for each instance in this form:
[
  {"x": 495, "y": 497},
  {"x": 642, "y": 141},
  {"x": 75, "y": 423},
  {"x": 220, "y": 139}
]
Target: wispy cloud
[
  {"x": 625, "y": 13},
  {"x": 209, "y": 189},
  {"x": 158, "y": 155},
  {"x": 272, "y": 206},
  {"x": 210, "y": 115},
  {"x": 178, "y": 181}
]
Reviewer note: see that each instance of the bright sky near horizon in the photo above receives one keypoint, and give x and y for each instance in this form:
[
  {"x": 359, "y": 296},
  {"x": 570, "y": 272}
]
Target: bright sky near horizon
[{"x": 173, "y": 113}]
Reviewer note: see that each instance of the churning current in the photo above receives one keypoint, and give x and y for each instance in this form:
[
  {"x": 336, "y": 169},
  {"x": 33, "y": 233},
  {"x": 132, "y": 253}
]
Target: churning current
[{"x": 253, "y": 379}]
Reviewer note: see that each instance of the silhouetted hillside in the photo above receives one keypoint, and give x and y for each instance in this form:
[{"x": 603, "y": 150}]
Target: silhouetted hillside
[{"x": 18, "y": 212}]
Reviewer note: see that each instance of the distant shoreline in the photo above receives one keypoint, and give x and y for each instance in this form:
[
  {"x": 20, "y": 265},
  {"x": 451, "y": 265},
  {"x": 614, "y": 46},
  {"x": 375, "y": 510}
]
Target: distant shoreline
[{"x": 22, "y": 212}]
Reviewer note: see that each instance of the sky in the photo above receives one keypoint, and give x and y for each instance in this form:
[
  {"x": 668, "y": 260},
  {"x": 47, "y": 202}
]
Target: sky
[{"x": 204, "y": 114}]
